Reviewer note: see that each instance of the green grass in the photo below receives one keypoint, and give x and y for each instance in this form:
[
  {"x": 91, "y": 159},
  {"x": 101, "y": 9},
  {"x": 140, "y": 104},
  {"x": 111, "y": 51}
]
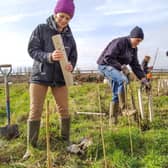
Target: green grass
[{"x": 150, "y": 148}]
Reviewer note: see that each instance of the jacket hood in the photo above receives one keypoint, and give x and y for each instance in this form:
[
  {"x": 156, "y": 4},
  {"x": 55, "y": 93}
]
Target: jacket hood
[{"x": 52, "y": 24}]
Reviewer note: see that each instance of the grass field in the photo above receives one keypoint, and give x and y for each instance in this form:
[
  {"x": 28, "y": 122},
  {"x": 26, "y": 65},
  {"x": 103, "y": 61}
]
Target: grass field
[{"x": 149, "y": 148}]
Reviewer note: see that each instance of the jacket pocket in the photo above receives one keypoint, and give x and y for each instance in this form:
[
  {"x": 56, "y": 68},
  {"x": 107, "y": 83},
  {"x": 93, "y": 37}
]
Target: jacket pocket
[
  {"x": 36, "y": 68},
  {"x": 42, "y": 69}
]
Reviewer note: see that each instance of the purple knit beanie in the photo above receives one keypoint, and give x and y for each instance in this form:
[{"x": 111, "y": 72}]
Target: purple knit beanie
[{"x": 65, "y": 6}]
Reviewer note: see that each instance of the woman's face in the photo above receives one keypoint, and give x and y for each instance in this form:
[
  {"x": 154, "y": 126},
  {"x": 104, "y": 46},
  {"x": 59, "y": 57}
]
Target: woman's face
[
  {"x": 147, "y": 59},
  {"x": 62, "y": 20},
  {"x": 135, "y": 42}
]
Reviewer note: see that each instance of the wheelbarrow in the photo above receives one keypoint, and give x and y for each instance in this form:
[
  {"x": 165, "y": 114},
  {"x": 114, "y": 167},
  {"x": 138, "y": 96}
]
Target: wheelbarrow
[{"x": 9, "y": 131}]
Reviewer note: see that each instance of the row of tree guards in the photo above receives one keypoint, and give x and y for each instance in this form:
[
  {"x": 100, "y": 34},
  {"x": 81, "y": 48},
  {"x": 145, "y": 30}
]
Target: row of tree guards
[{"x": 162, "y": 87}]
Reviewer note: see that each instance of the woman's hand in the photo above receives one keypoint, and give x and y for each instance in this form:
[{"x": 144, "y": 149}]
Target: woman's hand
[
  {"x": 69, "y": 67},
  {"x": 57, "y": 55}
]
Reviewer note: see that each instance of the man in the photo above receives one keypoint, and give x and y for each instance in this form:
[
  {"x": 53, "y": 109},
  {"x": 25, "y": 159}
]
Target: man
[{"x": 113, "y": 62}]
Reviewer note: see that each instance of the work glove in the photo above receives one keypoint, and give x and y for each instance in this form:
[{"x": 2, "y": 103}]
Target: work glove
[
  {"x": 146, "y": 83},
  {"x": 125, "y": 70},
  {"x": 127, "y": 73}
]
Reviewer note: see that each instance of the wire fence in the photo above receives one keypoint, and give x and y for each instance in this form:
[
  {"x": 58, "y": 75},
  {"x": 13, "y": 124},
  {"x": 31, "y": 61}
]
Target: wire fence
[{"x": 23, "y": 74}]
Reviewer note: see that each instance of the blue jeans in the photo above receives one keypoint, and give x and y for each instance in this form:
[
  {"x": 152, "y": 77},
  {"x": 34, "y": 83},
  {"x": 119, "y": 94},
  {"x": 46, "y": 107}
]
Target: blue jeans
[{"x": 116, "y": 79}]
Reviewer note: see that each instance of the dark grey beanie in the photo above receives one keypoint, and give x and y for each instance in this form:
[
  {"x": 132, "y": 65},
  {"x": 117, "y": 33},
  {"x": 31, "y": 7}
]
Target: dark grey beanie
[{"x": 137, "y": 32}]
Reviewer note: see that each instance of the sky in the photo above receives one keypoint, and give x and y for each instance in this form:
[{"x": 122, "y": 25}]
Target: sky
[{"x": 94, "y": 25}]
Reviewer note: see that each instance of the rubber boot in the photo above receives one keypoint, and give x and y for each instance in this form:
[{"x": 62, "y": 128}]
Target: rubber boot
[
  {"x": 65, "y": 129},
  {"x": 122, "y": 104},
  {"x": 114, "y": 112},
  {"x": 32, "y": 137}
]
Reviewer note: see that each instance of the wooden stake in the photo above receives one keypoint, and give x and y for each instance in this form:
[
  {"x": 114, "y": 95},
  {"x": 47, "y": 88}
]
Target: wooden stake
[
  {"x": 90, "y": 113},
  {"x": 110, "y": 114},
  {"x": 58, "y": 44},
  {"x": 47, "y": 136},
  {"x": 101, "y": 129},
  {"x": 129, "y": 123}
]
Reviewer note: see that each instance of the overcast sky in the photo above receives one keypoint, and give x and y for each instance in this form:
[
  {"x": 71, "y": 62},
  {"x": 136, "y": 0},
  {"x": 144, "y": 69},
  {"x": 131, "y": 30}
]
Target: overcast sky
[{"x": 94, "y": 25}]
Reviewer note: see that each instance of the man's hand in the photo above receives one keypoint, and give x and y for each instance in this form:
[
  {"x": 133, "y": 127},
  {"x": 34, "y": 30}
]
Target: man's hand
[
  {"x": 127, "y": 73},
  {"x": 57, "y": 55},
  {"x": 125, "y": 70},
  {"x": 145, "y": 82}
]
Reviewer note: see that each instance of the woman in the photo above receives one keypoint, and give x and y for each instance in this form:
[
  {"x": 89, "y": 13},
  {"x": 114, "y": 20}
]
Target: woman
[
  {"x": 46, "y": 70},
  {"x": 147, "y": 69},
  {"x": 119, "y": 53},
  {"x": 145, "y": 63}
]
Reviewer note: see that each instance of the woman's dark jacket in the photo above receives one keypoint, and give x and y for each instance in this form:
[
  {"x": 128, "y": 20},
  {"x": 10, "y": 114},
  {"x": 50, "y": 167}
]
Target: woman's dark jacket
[
  {"x": 40, "y": 47},
  {"x": 119, "y": 52},
  {"x": 144, "y": 66}
]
